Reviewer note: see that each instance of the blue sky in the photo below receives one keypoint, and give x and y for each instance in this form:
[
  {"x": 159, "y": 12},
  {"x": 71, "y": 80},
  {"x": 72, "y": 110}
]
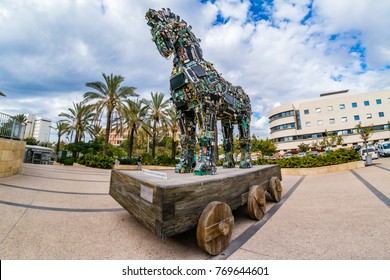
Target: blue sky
[{"x": 279, "y": 51}]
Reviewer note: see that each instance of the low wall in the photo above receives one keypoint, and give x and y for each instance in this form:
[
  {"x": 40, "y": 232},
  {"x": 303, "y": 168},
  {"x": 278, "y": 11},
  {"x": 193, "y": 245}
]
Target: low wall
[
  {"x": 324, "y": 169},
  {"x": 134, "y": 167},
  {"x": 11, "y": 156}
]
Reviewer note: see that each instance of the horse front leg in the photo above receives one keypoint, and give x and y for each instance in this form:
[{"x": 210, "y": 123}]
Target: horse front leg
[
  {"x": 245, "y": 142},
  {"x": 227, "y": 131},
  {"x": 187, "y": 140},
  {"x": 206, "y": 162}
]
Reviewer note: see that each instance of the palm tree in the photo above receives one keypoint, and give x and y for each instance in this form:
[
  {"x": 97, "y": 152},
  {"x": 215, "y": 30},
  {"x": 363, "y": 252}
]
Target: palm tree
[
  {"x": 21, "y": 119},
  {"x": 78, "y": 119},
  {"x": 95, "y": 130},
  {"x": 108, "y": 96},
  {"x": 173, "y": 127},
  {"x": 134, "y": 114},
  {"x": 157, "y": 114},
  {"x": 61, "y": 128}
]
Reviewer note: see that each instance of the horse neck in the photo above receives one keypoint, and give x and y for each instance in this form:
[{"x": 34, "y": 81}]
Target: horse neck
[{"x": 187, "y": 48}]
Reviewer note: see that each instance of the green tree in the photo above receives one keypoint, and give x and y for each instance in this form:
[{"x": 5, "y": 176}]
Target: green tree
[
  {"x": 265, "y": 146},
  {"x": 157, "y": 115},
  {"x": 61, "y": 128},
  {"x": 133, "y": 120},
  {"x": 31, "y": 141},
  {"x": 303, "y": 147},
  {"x": 21, "y": 119},
  {"x": 78, "y": 120},
  {"x": 365, "y": 133},
  {"x": 109, "y": 97}
]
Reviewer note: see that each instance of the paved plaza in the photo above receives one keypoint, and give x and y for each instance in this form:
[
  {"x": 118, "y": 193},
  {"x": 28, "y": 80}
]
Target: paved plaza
[{"x": 63, "y": 212}]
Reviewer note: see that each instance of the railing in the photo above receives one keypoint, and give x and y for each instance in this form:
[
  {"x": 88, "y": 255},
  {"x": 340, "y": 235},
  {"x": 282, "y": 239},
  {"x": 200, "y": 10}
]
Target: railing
[{"x": 10, "y": 128}]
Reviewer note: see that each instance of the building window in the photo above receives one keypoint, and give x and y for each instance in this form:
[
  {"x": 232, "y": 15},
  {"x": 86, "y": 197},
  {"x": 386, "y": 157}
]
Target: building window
[
  {"x": 281, "y": 115},
  {"x": 332, "y": 121},
  {"x": 379, "y": 101},
  {"x": 354, "y": 104},
  {"x": 318, "y": 110},
  {"x": 381, "y": 114},
  {"x": 330, "y": 108},
  {"x": 308, "y": 124},
  {"x": 320, "y": 122},
  {"x": 356, "y": 118},
  {"x": 342, "y": 106},
  {"x": 369, "y": 116},
  {"x": 306, "y": 112},
  {"x": 367, "y": 103},
  {"x": 343, "y": 119}
]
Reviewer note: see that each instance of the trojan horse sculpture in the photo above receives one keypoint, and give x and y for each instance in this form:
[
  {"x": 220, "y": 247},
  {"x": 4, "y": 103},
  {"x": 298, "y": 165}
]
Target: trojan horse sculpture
[{"x": 201, "y": 97}]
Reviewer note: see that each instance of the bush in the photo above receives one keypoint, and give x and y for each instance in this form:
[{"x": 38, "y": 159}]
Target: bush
[
  {"x": 337, "y": 157},
  {"x": 97, "y": 161},
  {"x": 129, "y": 161},
  {"x": 66, "y": 160},
  {"x": 165, "y": 160}
]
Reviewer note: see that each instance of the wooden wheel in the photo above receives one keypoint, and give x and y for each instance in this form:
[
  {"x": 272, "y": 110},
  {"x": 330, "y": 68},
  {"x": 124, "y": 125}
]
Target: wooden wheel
[
  {"x": 275, "y": 189},
  {"x": 215, "y": 227},
  {"x": 256, "y": 202}
]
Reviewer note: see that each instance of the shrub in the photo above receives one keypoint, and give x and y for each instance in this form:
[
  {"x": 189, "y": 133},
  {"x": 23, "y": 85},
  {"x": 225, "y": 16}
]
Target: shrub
[
  {"x": 337, "y": 157},
  {"x": 97, "y": 161},
  {"x": 66, "y": 160},
  {"x": 128, "y": 161},
  {"x": 165, "y": 160}
]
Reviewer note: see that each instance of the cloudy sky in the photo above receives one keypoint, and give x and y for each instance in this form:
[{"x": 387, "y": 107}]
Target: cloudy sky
[{"x": 279, "y": 51}]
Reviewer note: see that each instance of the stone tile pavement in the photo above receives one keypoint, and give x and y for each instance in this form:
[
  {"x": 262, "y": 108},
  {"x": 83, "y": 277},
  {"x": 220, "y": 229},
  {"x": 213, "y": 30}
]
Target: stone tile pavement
[{"x": 62, "y": 212}]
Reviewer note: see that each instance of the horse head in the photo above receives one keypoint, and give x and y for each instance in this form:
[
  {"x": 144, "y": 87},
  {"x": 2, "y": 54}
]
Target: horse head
[
  {"x": 168, "y": 31},
  {"x": 163, "y": 26}
]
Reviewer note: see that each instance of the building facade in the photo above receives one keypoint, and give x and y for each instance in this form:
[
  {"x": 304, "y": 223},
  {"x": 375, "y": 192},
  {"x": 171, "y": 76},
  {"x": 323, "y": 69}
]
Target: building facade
[
  {"x": 335, "y": 113},
  {"x": 38, "y": 127}
]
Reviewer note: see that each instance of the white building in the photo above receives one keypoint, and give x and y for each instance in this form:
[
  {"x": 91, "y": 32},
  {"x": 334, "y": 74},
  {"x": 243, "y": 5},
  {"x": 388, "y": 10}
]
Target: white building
[
  {"x": 335, "y": 113},
  {"x": 38, "y": 127}
]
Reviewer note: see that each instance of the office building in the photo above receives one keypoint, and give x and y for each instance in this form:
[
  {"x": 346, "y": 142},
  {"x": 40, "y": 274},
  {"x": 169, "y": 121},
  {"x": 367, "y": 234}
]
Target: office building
[
  {"x": 38, "y": 127},
  {"x": 335, "y": 113}
]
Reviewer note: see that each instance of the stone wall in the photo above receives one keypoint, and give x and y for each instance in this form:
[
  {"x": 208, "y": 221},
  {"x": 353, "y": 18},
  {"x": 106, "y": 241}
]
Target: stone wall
[{"x": 11, "y": 156}]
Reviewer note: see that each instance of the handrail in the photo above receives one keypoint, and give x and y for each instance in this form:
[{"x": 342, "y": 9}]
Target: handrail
[{"x": 10, "y": 128}]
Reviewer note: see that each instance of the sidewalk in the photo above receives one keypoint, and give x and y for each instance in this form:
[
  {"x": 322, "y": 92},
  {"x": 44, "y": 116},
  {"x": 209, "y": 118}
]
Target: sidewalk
[{"x": 61, "y": 212}]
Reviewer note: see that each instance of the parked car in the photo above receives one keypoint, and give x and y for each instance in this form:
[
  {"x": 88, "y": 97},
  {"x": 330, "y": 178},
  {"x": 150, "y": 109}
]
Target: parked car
[
  {"x": 288, "y": 155},
  {"x": 315, "y": 153},
  {"x": 356, "y": 147},
  {"x": 384, "y": 149},
  {"x": 301, "y": 154},
  {"x": 371, "y": 151}
]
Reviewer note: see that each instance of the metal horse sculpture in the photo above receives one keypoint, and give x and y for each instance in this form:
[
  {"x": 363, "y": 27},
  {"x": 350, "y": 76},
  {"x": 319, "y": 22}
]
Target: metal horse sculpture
[{"x": 201, "y": 96}]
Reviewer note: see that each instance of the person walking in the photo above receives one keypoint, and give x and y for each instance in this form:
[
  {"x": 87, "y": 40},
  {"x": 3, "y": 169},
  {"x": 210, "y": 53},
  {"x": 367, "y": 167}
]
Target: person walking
[{"x": 139, "y": 163}]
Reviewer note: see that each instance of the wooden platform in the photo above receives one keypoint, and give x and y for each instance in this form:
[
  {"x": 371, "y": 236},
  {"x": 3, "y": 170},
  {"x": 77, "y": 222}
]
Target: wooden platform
[{"x": 174, "y": 205}]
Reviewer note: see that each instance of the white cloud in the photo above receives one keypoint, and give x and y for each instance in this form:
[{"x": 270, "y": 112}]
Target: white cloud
[{"x": 51, "y": 48}]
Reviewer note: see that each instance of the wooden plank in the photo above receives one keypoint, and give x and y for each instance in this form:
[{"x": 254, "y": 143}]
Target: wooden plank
[{"x": 178, "y": 201}]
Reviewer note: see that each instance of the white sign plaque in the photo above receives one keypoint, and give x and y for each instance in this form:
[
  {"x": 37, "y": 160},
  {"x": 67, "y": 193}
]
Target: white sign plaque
[
  {"x": 147, "y": 193},
  {"x": 157, "y": 174}
]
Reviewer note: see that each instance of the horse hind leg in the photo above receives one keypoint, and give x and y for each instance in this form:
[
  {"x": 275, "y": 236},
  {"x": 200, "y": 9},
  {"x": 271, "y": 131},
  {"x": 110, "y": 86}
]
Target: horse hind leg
[
  {"x": 245, "y": 142},
  {"x": 206, "y": 162},
  {"x": 188, "y": 141},
  {"x": 227, "y": 131}
]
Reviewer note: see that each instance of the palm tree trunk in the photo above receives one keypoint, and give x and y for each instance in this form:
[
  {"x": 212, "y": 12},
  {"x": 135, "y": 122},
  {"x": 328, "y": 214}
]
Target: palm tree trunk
[
  {"x": 108, "y": 129},
  {"x": 76, "y": 142},
  {"x": 154, "y": 139},
  {"x": 58, "y": 144},
  {"x": 131, "y": 143},
  {"x": 173, "y": 155}
]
